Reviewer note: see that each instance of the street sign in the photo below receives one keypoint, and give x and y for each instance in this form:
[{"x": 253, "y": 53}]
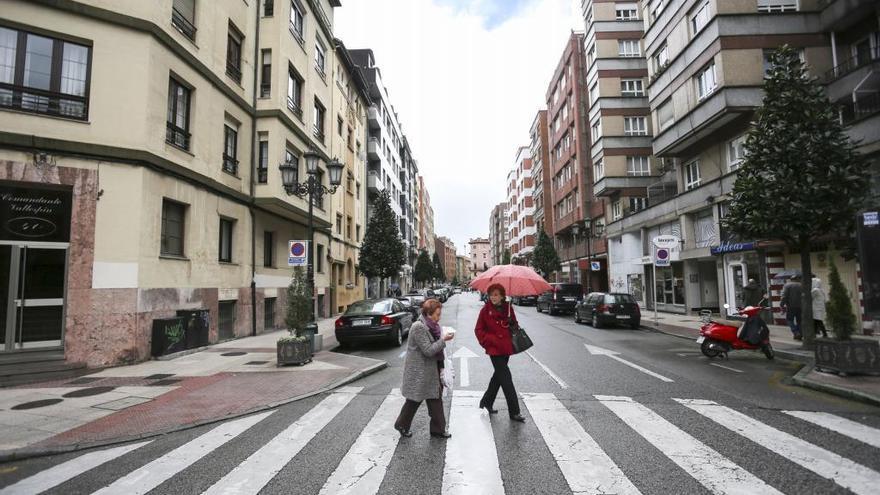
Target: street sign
[
  {"x": 596, "y": 266},
  {"x": 297, "y": 253},
  {"x": 666, "y": 241},
  {"x": 661, "y": 257}
]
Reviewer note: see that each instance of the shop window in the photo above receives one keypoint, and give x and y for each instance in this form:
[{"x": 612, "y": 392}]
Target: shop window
[
  {"x": 226, "y": 321},
  {"x": 269, "y": 313}
]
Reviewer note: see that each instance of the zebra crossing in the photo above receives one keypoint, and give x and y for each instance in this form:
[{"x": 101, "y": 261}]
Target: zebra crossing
[{"x": 471, "y": 463}]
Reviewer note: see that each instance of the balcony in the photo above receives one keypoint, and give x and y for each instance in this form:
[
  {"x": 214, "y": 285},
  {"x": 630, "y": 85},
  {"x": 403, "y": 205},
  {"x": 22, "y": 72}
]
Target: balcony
[
  {"x": 182, "y": 24},
  {"x": 374, "y": 183},
  {"x": 374, "y": 149},
  {"x": 373, "y": 118},
  {"x": 610, "y": 185}
]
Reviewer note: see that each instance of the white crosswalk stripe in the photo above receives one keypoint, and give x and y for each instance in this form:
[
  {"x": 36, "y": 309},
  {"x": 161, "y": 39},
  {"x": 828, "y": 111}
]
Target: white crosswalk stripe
[
  {"x": 56, "y": 475},
  {"x": 827, "y": 464},
  {"x": 363, "y": 467},
  {"x": 162, "y": 469},
  {"x": 846, "y": 427},
  {"x": 585, "y": 466},
  {"x": 471, "y": 458},
  {"x": 257, "y": 470},
  {"x": 697, "y": 459}
]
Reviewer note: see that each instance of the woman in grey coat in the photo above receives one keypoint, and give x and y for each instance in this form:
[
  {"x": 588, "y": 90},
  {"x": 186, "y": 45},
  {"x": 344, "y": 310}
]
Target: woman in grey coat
[{"x": 421, "y": 372}]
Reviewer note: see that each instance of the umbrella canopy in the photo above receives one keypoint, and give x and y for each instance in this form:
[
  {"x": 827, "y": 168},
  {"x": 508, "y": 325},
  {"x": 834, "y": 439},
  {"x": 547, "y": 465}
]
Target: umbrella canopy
[{"x": 517, "y": 280}]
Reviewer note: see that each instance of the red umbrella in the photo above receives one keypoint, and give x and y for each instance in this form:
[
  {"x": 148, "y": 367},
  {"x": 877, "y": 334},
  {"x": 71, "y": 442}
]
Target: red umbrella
[{"x": 517, "y": 280}]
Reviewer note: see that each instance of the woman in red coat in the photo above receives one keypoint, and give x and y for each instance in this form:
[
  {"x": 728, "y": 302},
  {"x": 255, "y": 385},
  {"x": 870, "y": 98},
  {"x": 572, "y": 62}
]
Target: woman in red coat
[{"x": 493, "y": 332}]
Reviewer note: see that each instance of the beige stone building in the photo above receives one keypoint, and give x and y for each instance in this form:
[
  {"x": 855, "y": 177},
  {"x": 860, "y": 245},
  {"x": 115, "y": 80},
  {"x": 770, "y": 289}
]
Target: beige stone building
[
  {"x": 141, "y": 143},
  {"x": 480, "y": 257}
]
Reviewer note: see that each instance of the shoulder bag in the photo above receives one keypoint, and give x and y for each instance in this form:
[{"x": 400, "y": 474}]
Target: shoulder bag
[{"x": 518, "y": 336}]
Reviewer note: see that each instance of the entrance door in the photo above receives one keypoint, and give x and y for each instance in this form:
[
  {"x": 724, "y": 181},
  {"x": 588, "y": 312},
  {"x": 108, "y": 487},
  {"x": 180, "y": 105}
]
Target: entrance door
[
  {"x": 708, "y": 284},
  {"x": 32, "y": 295},
  {"x": 739, "y": 269}
]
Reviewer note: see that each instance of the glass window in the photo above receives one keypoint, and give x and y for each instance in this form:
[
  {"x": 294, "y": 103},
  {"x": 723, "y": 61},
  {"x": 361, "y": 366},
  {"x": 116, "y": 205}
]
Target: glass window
[
  {"x": 297, "y": 21},
  {"x": 637, "y": 204},
  {"x": 700, "y": 17},
  {"x": 294, "y": 92},
  {"x": 637, "y": 166},
  {"x": 266, "y": 74},
  {"x": 172, "y": 228},
  {"x": 770, "y": 6},
  {"x": 596, "y": 129},
  {"x": 661, "y": 58},
  {"x": 269, "y": 313},
  {"x": 268, "y": 7},
  {"x": 318, "y": 121},
  {"x": 736, "y": 152},
  {"x": 177, "y": 124},
  {"x": 706, "y": 82},
  {"x": 632, "y": 87},
  {"x": 319, "y": 259},
  {"x": 183, "y": 17},
  {"x": 225, "y": 254},
  {"x": 635, "y": 126},
  {"x": 263, "y": 162},
  {"x": 616, "y": 210},
  {"x": 233, "y": 53},
  {"x": 268, "y": 249},
  {"x": 230, "y": 149},
  {"x": 665, "y": 113},
  {"x": 626, "y": 11},
  {"x": 320, "y": 58},
  {"x": 628, "y": 48},
  {"x": 369, "y": 307},
  {"x": 691, "y": 175},
  {"x": 598, "y": 170}
]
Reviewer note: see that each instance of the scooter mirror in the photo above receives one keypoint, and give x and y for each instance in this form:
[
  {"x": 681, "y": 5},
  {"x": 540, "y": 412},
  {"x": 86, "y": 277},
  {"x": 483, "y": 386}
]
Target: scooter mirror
[{"x": 726, "y": 306}]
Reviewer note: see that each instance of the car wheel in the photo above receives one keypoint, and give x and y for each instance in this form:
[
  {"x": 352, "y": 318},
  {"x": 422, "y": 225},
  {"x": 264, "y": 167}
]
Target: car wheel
[
  {"x": 537, "y": 307},
  {"x": 550, "y": 310},
  {"x": 595, "y": 322},
  {"x": 397, "y": 337}
]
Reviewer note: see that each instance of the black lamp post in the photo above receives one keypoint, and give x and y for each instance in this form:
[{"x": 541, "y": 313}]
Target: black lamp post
[
  {"x": 588, "y": 235},
  {"x": 315, "y": 191}
]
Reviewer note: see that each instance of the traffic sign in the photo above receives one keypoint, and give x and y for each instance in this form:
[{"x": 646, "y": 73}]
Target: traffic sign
[
  {"x": 596, "y": 266},
  {"x": 297, "y": 253},
  {"x": 661, "y": 257}
]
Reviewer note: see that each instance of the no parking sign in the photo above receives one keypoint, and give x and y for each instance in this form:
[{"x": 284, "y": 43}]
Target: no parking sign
[
  {"x": 297, "y": 253},
  {"x": 661, "y": 257}
]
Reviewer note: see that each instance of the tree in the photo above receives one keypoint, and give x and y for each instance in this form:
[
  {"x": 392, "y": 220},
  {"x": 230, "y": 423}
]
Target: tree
[
  {"x": 797, "y": 162},
  {"x": 424, "y": 270},
  {"x": 455, "y": 281},
  {"x": 839, "y": 308},
  {"x": 439, "y": 273},
  {"x": 382, "y": 251},
  {"x": 505, "y": 258},
  {"x": 299, "y": 302},
  {"x": 545, "y": 259}
]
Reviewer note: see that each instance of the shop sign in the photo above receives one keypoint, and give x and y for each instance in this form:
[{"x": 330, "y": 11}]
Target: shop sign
[
  {"x": 34, "y": 214},
  {"x": 666, "y": 241},
  {"x": 871, "y": 219},
  {"x": 732, "y": 247}
]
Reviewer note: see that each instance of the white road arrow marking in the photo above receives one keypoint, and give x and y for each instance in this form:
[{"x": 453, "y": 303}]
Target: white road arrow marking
[
  {"x": 600, "y": 351},
  {"x": 463, "y": 353}
]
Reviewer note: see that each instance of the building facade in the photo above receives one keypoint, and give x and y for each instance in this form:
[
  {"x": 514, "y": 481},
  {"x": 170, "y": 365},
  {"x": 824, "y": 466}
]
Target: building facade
[
  {"x": 498, "y": 233},
  {"x": 541, "y": 174},
  {"x": 521, "y": 208},
  {"x": 479, "y": 259},
  {"x": 426, "y": 219},
  {"x": 445, "y": 249}
]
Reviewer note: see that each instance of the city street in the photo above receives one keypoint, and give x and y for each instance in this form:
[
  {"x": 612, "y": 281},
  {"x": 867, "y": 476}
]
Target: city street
[{"x": 609, "y": 410}]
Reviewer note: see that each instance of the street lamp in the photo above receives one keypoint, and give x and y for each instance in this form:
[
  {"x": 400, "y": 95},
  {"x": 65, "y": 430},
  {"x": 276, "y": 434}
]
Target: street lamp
[
  {"x": 588, "y": 234},
  {"x": 315, "y": 191}
]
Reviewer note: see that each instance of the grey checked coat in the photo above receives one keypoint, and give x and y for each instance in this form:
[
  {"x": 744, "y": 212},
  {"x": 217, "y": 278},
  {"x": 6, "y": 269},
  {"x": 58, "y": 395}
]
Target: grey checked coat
[{"x": 421, "y": 379}]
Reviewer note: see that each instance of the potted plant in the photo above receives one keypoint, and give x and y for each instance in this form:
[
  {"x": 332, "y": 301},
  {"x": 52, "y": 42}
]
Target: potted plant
[
  {"x": 296, "y": 348},
  {"x": 842, "y": 353}
]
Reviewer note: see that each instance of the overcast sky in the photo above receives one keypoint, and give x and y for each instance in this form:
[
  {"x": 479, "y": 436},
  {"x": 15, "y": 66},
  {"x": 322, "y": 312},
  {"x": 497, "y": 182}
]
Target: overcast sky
[{"x": 466, "y": 78}]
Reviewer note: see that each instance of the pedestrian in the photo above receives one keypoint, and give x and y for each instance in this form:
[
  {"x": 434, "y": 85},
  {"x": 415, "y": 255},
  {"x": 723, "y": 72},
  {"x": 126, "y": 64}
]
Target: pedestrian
[
  {"x": 752, "y": 293},
  {"x": 819, "y": 299},
  {"x": 421, "y": 372},
  {"x": 493, "y": 333},
  {"x": 791, "y": 304}
]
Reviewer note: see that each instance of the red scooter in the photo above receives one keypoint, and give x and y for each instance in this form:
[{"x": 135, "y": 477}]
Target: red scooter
[{"x": 720, "y": 337}]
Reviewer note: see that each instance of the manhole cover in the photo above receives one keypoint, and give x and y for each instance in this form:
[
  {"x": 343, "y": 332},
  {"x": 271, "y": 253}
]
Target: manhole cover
[
  {"x": 83, "y": 381},
  {"x": 159, "y": 376},
  {"x": 88, "y": 392},
  {"x": 233, "y": 354},
  {"x": 37, "y": 403},
  {"x": 160, "y": 383},
  {"x": 255, "y": 363}
]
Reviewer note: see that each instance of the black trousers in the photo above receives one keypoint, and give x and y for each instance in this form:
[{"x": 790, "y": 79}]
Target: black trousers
[
  {"x": 501, "y": 379},
  {"x": 435, "y": 412},
  {"x": 819, "y": 326}
]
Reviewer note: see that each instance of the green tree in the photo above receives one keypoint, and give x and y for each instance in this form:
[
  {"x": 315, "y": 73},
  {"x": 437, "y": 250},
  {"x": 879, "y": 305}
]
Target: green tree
[
  {"x": 505, "y": 258},
  {"x": 840, "y": 316},
  {"x": 545, "y": 259},
  {"x": 382, "y": 251},
  {"x": 439, "y": 273},
  {"x": 299, "y": 302},
  {"x": 797, "y": 162},
  {"x": 424, "y": 270}
]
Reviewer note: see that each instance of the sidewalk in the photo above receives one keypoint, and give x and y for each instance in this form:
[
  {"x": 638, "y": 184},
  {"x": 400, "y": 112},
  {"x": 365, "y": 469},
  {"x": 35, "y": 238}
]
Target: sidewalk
[
  {"x": 130, "y": 402},
  {"x": 863, "y": 388}
]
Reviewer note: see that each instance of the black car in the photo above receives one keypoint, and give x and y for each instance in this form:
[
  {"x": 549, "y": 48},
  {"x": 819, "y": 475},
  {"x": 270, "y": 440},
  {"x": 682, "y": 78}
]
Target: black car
[
  {"x": 410, "y": 306},
  {"x": 374, "y": 319},
  {"x": 561, "y": 298},
  {"x": 601, "y": 309},
  {"x": 524, "y": 300}
]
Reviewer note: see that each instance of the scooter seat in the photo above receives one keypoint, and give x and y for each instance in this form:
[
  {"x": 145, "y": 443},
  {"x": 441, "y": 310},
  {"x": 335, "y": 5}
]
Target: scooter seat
[{"x": 730, "y": 323}]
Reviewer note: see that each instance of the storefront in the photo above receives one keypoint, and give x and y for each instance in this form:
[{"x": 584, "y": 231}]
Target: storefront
[{"x": 742, "y": 262}]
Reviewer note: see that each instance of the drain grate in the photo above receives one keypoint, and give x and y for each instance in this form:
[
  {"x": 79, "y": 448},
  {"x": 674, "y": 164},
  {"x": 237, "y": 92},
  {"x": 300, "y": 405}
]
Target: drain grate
[
  {"x": 237, "y": 353},
  {"x": 88, "y": 392},
  {"x": 83, "y": 381},
  {"x": 160, "y": 383},
  {"x": 256, "y": 363},
  {"x": 35, "y": 404},
  {"x": 159, "y": 376}
]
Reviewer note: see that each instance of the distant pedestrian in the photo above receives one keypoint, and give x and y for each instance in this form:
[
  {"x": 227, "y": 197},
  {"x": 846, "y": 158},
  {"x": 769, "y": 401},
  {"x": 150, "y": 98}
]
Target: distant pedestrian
[
  {"x": 791, "y": 304},
  {"x": 752, "y": 293},
  {"x": 493, "y": 333},
  {"x": 421, "y": 372},
  {"x": 819, "y": 300}
]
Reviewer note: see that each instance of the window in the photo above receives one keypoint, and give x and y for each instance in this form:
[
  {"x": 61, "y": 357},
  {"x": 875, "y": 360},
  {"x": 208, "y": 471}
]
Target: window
[
  {"x": 628, "y": 48},
  {"x": 637, "y": 204},
  {"x": 43, "y": 75},
  {"x": 770, "y": 6},
  {"x": 319, "y": 259},
  {"x": 263, "y": 162},
  {"x": 233, "y": 53},
  {"x": 348, "y": 227},
  {"x": 591, "y": 54},
  {"x": 318, "y": 121},
  {"x": 320, "y": 55},
  {"x": 230, "y": 149},
  {"x": 266, "y": 74},
  {"x": 177, "y": 125},
  {"x": 691, "y": 175},
  {"x": 596, "y": 129},
  {"x": 700, "y": 17},
  {"x": 269, "y": 313},
  {"x": 225, "y": 253},
  {"x": 735, "y": 152},
  {"x": 638, "y": 166},
  {"x": 626, "y": 11},
  {"x": 594, "y": 93},
  {"x": 293, "y": 159},
  {"x": 357, "y": 231},
  {"x": 183, "y": 17},
  {"x": 294, "y": 92},
  {"x": 631, "y": 87},
  {"x": 665, "y": 113},
  {"x": 661, "y": 58},
  {"x": 598, "y": 170},
  {"x": 297, "y": 21},
  {"x": 706, "y": 82},
  {"x": 268, "y": 249},
  {"x": 657, "y": 8},
  {"x": 616, "y": 210},
  {"x": 339, "y": 125},
  {"x": 173, "y": 216},
  {"x": 268, "y": 8},
  {"x": 635, "y": 126},
  {"x": 226, "y": 320},
  {"x": 339, "y": 224}
]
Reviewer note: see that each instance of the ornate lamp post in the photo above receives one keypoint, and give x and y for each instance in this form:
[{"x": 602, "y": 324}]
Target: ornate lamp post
[{"x": 315, "y": 191}]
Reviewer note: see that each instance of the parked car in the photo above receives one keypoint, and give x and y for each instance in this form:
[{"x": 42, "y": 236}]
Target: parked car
[
  {"x": 561, "y": 298},
  {"x": 416, "y": 299},
  {"x": 410, "y": 306},
  {"x": 601, "y": 309},
  {"x": 383, "y": 319},
  {"x": 524, "y": 300}
]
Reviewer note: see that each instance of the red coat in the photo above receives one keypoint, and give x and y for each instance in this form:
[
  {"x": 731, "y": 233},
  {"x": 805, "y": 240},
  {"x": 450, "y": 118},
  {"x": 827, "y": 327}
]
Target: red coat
[{"x": 492, "y": 330}]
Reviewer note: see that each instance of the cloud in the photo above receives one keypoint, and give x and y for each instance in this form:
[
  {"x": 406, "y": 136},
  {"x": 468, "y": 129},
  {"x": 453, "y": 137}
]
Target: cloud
[
  {"x": 465, "y": 94},
  {"x": 493, "y": 12}
]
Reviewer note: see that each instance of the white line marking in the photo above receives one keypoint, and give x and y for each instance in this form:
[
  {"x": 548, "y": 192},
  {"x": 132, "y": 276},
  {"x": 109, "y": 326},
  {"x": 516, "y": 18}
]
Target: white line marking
[
  {"x": 725, "y": 367},
  {"x": 842, "y": 471},
  {"x": 586, "y": 467},
  {"x": 402, "y": 354},
  {"x": 559, "y": 381},
  {"x": 471, "y": 459},
  {"x": 714, "y": 471},
  {"x": 65, "y": 471},
  {"x": 846, "y": 427},
  {"x": 463, "y": 354},
  {"x": 257, "y": 470},
  {"x": 598, "y": 351},
  {"x": 363, "y": 468},
  {"x": 155, "y": 473}
]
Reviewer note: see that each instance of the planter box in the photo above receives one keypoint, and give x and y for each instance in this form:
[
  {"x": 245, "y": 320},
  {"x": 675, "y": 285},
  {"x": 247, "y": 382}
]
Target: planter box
[
  {"x": 855, "y": 356},
  {"x": 297, "y": 353}
]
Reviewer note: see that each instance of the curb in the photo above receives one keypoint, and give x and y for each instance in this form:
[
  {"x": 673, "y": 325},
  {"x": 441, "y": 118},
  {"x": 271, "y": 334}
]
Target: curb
[
  {"x": 800, "y": 379},
  {"x": 780, "y": 353},
  {"x": 30, "y": 453}
]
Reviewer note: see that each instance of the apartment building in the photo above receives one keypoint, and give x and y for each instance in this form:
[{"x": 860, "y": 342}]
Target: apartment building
[
  {"x": 479, "y": 258},
  {"x": 498, "y": 233},
  {"x": 410, "y": 206},
  {"x": 521, "y": 208},
  {"x": 426, "y": 219},
  {"x": 541, "y": 174},
  {"x": 445, "y": 249}
]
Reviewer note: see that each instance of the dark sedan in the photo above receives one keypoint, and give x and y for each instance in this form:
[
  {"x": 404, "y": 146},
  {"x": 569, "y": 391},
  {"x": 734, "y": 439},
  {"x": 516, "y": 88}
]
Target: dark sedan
[
  {"x": 524, "y": 300},
  {"x": 410, "y": 305},
  {"x": 561, "y": 298},
  {"x": 374, "y": 319},
  {"x": 601, "y": 309}
]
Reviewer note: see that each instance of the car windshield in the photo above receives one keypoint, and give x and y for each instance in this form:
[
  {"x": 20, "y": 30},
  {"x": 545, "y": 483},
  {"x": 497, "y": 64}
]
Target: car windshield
[
  {"x": 619, "y": 299},
  {"x": 569, "y": 289},
  {"x": 367, "y": 307}
]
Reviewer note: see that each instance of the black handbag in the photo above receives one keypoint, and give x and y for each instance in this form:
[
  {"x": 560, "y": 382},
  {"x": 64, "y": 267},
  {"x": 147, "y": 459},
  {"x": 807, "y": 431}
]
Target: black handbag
[{"x": 518, "y": 336}]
